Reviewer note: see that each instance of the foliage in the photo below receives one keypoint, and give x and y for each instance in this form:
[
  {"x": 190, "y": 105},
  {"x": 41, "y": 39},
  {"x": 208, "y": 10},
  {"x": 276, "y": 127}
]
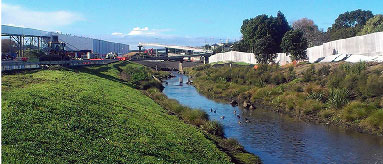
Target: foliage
[
  {"x": 264, "y": 49},
  {"x": 349, "y": 24},
  {"x": 374, "y": 85},
  {"x": 309, "y": 74},
  {"x": 374, "y": 24},
  {"x": 213, "y": 127},
  {"x": 8, "y": 45},
  {"x": 262, "y": 35},
  {"x": 330, "y": 93},
  {"x": 357, "y": 111},
  {"x": 375, "y": 121},
  {"x": 240, "y": 46},
  {"x": 324, "y": 70},
  {"x": 295, "y": 44},
  {"x": 314, "y": 36},
  {"x": 338, "y": 98},
  {"x": 34, "y": 55}
]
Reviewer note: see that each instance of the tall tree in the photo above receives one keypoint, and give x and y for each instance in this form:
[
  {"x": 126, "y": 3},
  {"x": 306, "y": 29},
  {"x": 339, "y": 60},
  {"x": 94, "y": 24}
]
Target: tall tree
[
  {"x": 265, "y": 49},
  {"x": 349, "y": 24},
  {"x": 295, "y": 44},
  {"x": 374, "y": 24},
  {"x": 310, "y": 31},
  {"x": 263, "y": 34},
  {"x": 281, "y": 26},
  {"x": 8, "y": 45},
  {"x": 240, "y": 46}
]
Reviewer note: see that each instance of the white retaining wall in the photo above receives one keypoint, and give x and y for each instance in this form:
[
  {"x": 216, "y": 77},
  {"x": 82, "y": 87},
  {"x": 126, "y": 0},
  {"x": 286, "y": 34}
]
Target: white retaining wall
[
  {"x": 367, "y": 45},
  {"x": 235, "y": 56}
]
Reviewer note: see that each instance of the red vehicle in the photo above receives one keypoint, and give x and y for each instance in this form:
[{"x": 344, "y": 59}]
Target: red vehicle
[
  {"x": 122, "y": 58},
  {"x": 96, "y": 59},
  {"x": 24, "y": 59}
]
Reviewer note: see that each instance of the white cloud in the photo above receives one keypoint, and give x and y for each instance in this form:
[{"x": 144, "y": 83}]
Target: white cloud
[
  {"x": 145, "y": 31},
  {"x": 118, "y": 34},
  {"x": 141, "y": 31},
  {"x": 20, "y": 16}
]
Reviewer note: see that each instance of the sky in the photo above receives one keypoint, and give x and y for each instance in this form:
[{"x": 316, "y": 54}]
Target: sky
[{"x": 181, "y": 22}]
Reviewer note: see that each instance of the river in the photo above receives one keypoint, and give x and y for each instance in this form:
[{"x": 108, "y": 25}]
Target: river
[{"x": 276, "y": 138}]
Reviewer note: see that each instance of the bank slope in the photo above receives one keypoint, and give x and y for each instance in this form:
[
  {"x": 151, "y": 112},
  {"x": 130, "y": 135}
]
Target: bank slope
[
  {"x": 342, "y": 94},
  {"x": 60, "y": 116}
]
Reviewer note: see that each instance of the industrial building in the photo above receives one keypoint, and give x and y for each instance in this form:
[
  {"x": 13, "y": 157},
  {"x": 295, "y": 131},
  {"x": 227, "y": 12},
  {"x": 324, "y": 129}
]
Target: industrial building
[{"x": 38, "y": 38}]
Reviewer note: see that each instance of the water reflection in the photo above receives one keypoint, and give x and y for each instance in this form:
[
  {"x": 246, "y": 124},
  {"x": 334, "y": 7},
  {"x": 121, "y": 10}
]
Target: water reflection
[{"x": 279, "y": 139}]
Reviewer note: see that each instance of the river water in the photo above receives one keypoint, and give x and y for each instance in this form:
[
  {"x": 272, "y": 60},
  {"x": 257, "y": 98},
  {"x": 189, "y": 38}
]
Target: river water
[{"x": 277, "y": 138}]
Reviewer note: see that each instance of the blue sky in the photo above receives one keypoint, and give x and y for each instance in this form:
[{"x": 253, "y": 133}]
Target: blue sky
[{"x": 168, "y": 21}]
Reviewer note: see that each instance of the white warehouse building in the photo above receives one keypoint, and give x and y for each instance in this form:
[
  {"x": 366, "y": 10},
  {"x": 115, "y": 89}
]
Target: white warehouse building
[
  {"x": 97, "y": 46},
  {"x": 72, "y": 42}
]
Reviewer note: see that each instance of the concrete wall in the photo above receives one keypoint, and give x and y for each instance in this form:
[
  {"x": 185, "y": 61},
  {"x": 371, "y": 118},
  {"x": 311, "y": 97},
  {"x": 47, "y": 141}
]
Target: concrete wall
[
  {"x": 367, "y": 45},
  {"x": 234, "y": 56}
]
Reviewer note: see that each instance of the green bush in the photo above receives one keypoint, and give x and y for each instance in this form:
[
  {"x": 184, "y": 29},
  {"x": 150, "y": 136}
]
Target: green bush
[
  {"x": 151, "y": 84},
  {"x": 316, "y": 92},
  {"x": 375, "y": 121},
  {"x": 356, "y": 68},
  {"x": 213, "y": 127},
  {"x": 195, "y": 117},
  {"x": 374, "y": 86},
  {"x": 335, "y": 78},
  {"x": 338, "y": 98},
  {"x": 232, "y": 145},
  {"x": 202, "y": 67},
  {"x": 324, "y": 70},
  {"x": 309, "y": 74},
  {"x": 312, "y": 106},
  {"x": 357, "y": 111},
  {"x": 277, "y": 78},
  {"x": 290, "y": 75},
  {"x": 33, "y": 55}
]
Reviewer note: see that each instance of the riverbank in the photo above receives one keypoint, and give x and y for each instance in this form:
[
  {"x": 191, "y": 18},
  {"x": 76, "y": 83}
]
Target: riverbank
[
  {"x": 340, "y": 94},
  {"x": 211, "y": 129},
  {"x": 94, "y": 114}
]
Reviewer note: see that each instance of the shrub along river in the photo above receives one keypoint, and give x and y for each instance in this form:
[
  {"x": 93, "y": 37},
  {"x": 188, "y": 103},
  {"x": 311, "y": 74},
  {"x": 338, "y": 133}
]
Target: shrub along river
[{"x": 277, "y": 138}]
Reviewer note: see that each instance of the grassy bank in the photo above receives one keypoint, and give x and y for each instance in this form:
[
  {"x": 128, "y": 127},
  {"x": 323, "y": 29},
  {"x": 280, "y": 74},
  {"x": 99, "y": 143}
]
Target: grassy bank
[
  {"x": 94, "y": 114},
  {"x": 67, "y": 116},
  {"x": 342, "y": 94},
  {"x": 141, "y": 77}
]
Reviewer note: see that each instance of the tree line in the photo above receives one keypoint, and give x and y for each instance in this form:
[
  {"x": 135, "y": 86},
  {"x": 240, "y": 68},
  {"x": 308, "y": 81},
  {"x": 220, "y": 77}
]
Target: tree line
[{"x": 265, "y": 36}]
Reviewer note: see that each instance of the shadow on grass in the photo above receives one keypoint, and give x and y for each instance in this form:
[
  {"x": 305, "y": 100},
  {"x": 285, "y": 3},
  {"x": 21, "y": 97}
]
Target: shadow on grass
[{"x": 99, "y": 72}]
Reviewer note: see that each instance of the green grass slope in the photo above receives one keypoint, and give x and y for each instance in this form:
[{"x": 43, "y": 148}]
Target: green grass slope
[{"x": 66, "y": 116}]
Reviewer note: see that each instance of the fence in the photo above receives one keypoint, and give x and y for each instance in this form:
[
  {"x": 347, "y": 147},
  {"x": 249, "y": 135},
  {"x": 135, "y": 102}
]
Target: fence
[{"x": 14, "y": 65}]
